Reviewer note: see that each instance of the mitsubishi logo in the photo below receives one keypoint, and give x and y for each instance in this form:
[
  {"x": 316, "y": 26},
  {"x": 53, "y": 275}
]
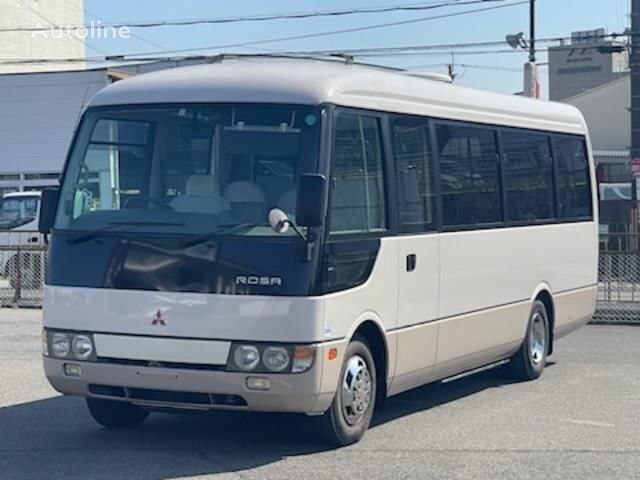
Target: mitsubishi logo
[{"x": 158, "y": 321}]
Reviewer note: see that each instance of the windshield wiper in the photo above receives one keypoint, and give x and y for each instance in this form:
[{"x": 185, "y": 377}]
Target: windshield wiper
[
  {"x": 85, "y": 237},
  {"x": 221, "y": 230}
]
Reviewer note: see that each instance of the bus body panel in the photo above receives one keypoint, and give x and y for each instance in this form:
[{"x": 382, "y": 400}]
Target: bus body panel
[{"x": 185, "y": 315}]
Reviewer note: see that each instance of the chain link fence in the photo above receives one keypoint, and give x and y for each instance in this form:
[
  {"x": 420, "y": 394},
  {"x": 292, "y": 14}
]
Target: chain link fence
[
  {"x": 23, "y": 259},
  {"x": 22, "y": 268},
  {"x": 619, "y": 279}
]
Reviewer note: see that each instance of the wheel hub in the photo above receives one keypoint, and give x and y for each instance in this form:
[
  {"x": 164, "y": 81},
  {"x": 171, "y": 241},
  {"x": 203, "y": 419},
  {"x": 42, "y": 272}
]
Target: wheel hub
[
  {"x": 355, "y": 390},
  {"x": 537, "y": 339}
]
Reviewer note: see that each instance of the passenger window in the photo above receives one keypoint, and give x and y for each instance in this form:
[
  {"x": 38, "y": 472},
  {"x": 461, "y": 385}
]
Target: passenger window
[
  {"x": 574, "y": 186},
  {"x": 358, "y": 196},
  {"x": 528, "y": 176},
  {"x": 414, "y": 174},
  {"x": 469, "y": 176}
]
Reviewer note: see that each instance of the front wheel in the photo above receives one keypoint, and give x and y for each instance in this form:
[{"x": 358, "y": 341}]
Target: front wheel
[
  {"x": 111, "y": 414},
  {"x": 350, "y": 414},
  {"x": 529, "y": 362}
]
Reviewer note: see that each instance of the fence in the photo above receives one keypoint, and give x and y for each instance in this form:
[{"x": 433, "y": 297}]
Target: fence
[
  {"x": 23, "y": 264},
  {"x": 619, "y": 279},
  {"x": 22, "y": 268}
]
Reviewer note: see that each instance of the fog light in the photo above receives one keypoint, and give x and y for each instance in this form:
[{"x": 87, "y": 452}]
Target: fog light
[
  {"x": 72, "y": 370},
  {"x": 258, "y": 383}
]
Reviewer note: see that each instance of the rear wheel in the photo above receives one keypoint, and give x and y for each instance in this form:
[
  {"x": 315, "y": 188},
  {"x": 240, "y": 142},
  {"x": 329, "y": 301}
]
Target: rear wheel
[
  {"x": 350, "y": 414},
  {"x": 112, "y": 414},
  {"x": 529, "y": 362}
]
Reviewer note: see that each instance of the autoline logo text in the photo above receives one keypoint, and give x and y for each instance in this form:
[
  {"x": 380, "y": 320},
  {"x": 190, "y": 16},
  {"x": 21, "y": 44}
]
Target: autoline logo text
[{"x": 93, "y": 30}]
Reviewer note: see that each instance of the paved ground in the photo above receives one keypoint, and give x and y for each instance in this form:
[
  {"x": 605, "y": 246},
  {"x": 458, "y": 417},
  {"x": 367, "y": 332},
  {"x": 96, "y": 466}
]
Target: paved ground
[{"x": 581, "y": 420}]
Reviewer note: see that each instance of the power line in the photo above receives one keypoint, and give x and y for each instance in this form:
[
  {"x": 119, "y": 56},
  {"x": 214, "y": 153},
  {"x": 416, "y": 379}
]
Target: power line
[
  {"x": 482, "y": 48},
  {"x": 259, "y": 18},
  {"x": 146, "y": 55}
]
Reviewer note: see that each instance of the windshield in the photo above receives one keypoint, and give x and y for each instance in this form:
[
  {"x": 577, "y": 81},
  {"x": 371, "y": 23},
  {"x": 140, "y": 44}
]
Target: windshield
[
  {"x": 17, "y": 211},
  {"x": 188, "y": 169}
]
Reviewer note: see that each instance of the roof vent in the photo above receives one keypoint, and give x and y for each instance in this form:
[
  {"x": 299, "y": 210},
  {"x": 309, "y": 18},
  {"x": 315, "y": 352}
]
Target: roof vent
[{"x": 438, "y": 77}]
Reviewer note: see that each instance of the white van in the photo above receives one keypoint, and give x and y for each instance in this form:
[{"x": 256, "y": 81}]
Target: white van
[{"x": 19, "y": 215}]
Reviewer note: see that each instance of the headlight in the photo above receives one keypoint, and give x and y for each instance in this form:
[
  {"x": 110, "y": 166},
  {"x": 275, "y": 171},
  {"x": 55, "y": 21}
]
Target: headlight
[
  {"x": 82, "y": 347},
  {"x": 246, "y": 357},
  {"x": 60, "y": 345},
  {"x": 276, "y": 359}
]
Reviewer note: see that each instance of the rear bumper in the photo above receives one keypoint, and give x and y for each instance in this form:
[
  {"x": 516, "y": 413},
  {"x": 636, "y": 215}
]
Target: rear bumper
[{"x": 311, "y": 392}]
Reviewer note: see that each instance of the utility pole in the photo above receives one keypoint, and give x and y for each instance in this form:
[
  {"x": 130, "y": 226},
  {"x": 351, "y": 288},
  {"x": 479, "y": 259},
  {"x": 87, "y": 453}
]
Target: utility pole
[
  {"x": 532, "y": 31},
  {"x": 531, "y": 84},
  {"x": 635, "y": 103}
]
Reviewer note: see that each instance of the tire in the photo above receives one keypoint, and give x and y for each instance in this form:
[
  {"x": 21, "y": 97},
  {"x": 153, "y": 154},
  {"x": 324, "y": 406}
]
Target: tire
[
  {"x": 345, "y": 424},
  {"x": 530, "y": 360},
  {"x": 117, "y": 415}
]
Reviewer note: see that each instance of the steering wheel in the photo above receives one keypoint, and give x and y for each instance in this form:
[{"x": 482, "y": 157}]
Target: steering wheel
[{"x": 137, "y": 198}]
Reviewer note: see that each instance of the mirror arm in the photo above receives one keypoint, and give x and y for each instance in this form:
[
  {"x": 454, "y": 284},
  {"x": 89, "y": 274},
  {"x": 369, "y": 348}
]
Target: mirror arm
[{"x": 308, "y": 239}]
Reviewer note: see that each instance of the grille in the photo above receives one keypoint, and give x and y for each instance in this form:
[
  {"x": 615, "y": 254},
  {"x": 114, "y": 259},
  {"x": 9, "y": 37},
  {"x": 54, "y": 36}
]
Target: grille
[{"x": 168, "y": 396}]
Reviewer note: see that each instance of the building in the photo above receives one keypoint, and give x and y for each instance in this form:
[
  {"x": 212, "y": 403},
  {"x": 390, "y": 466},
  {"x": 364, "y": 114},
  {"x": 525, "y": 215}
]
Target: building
[
  {"x": 38, "y": 115},
  {"x": 606, "y": 110},
  {"x": 24, "y": 45},
  {"x": 587, "y": 62}
]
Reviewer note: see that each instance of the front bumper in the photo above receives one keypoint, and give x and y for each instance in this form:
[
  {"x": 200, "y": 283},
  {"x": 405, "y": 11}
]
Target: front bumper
[{"x": 311, "y": 392}]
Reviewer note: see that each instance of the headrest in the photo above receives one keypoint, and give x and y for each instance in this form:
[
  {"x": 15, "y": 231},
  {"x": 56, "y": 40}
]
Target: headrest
[
  {"x": 201, "y": 185},
  {"x": 237, "y": 192}
]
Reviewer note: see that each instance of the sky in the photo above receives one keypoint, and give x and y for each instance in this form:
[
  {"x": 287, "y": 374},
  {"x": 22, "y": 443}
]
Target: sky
[{"x": 498, "y": 72}]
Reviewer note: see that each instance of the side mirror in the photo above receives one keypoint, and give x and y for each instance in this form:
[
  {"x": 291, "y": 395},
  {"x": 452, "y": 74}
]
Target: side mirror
[
  {"x": 48, "y": 208},
  {"x": 310, "y": 204},
  {"x": 279, "y": 221}
]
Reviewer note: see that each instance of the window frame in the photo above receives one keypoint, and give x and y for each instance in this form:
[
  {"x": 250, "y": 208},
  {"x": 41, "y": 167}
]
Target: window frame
[
  {"x": 554, "y": 193},
  {"x": 436, "y": 225},
  {"x": 388, "y": 181},
  {"x": 500, "y": 184},
  {"x": 587, "y": 150}
]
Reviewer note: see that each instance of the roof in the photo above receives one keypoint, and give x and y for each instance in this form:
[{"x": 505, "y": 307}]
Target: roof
[{"x": 314, "y": 81}]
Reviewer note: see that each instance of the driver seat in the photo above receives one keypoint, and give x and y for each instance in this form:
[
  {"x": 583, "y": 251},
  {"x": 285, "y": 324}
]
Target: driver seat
[{"x": 200, "y": 196}]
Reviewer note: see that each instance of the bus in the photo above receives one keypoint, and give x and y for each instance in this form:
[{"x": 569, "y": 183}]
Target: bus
[
  {"x": 311, "y": 236},
  {"x": 19, "y": 219}
]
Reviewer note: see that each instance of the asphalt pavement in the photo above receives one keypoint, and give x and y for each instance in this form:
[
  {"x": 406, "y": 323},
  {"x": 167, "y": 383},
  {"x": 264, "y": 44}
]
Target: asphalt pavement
[{"x": 581, "y": 420}]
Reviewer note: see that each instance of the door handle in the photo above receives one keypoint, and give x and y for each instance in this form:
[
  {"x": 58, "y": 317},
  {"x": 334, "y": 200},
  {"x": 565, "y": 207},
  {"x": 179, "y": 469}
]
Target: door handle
[
  {"x": 412, "y": 261},
  {"x": 32, "y": 240}
]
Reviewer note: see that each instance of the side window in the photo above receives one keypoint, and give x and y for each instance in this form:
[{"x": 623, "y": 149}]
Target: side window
[
  {"x": 469, "y": 175},
  {"x": 358, "y": 196},
  {"x": 414, "y": 173},
  {"x": 574, "y": 186},
  {"x": 528, "y": 175}
]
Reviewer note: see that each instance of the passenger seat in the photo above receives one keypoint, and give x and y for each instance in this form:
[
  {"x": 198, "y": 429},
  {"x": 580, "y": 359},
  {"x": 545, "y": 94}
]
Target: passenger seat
[{"x": 247, "y": 201}]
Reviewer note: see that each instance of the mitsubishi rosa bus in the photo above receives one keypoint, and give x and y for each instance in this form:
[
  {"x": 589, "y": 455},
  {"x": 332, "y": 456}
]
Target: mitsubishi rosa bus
[{"x": 312, "y": 236}]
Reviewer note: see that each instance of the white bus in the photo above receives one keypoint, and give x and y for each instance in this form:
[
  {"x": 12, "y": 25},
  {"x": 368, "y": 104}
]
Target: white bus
[{"x": 310, "y": 236}]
